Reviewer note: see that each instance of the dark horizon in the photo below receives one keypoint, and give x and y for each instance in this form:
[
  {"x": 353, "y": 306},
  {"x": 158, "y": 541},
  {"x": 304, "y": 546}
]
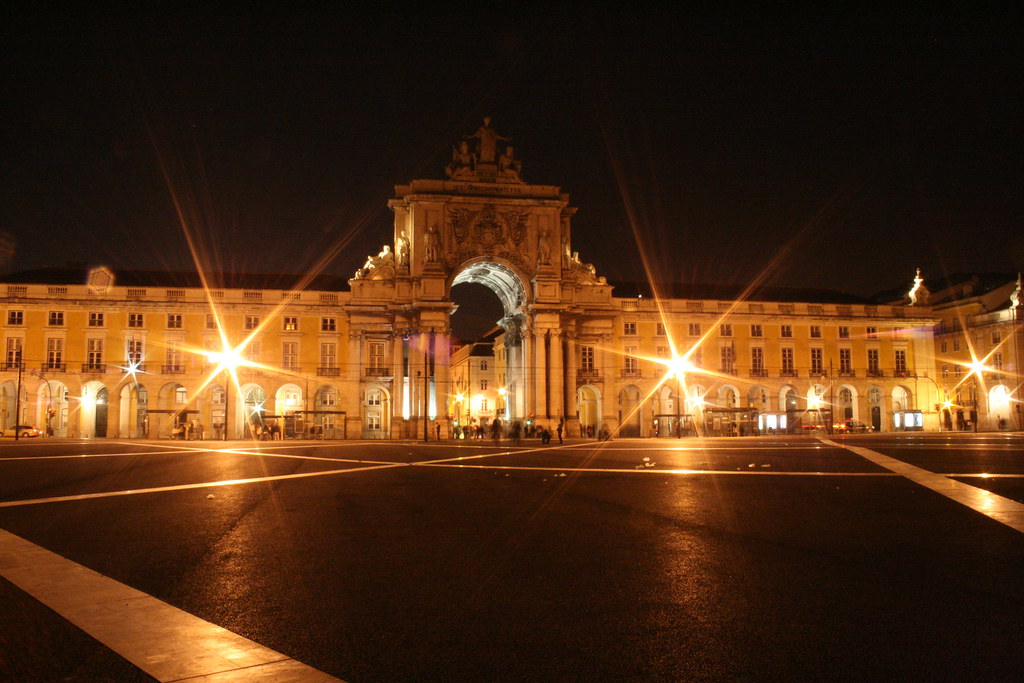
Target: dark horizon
[{"x": 837, "y": 151}]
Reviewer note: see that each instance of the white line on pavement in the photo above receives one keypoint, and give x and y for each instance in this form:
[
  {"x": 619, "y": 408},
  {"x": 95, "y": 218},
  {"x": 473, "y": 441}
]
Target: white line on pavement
[
  {"x": 999, "y": 508},
  {"x": 164, "y": 641}
]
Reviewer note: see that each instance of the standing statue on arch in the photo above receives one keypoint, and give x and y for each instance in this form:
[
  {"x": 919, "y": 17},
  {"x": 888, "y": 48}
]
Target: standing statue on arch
[{"x": 488, "y": 138}]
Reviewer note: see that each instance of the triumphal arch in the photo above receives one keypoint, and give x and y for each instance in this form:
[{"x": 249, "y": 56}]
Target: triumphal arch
[{"x": 484, "y": 224}]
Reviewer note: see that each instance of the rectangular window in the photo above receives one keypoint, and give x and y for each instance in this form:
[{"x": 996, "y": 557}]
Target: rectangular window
[
  {"x": 133, "y": 352},
  {"x": 631, "y": 364},
  {"x": 756, "y": 330},
  {"x": 845, "y": 362},
  {"x": 376, "y": 355},
  {"x": 873, "y": 368},
  {"x": 174, "y": 321},
  {"x": 725, "y": 330},
  {"x": 291, "y": 323},
  {"x": 786, "y": 331},
  {"x": 694, "y": 329},
  {"x": 54, "y": 354},
  {"x": 95, "y": 320},
  {"x": 727, "y": 356},
  {"x": 134, "y": 320},
  {"x": 587, "y": 358},
  {"x": 252, "y": 351},
  {"x": 290, "y": 356},
  {"x": 13, "y": 352},
  {"x": 373, "y": 397},
  {"x": 483, "y": 365},
  {"x": 211, "y": 321},
  {"x": 252, "y": 322},
  {"x": 945, "y": 372},
  {"x": 872, "y": 333},
  {"x": 817, "y": 362},
  {"x": 757, "y": 361},
  {"x": 815, "y": 331},
  {"x": 328, "y": 355},
  {"x": 659, "y": 329},
  {"x": 997, "y": 362},
  {"x": 997, "y": 337},
  {"x": 956, "y": 344},
  {"x": 788, "y": 369},
  {"x": 698, "y": 357},
  {"x": 328, "y": 325},
  {"x": 94, "y": 354},
  {"x": 55, "y": 319},
  {"x": 483, "y": 404},
  {"x": 172, "y": 359},
  {"x": 844, "y": 332},
  {"x": 942, "y": 346},
  {"x": 483, "y": 385},
  {"x": 661, "y": 351},
  {"x": 629, "y": 329},
  {"x": 181, "y": 395},
  {"x": 15, "y": 317},
  {"x": 901, "y": 361}
]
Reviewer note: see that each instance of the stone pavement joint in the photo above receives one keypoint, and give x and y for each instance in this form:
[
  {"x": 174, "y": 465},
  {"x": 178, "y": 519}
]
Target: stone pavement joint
[
  {"x": 999, "y": 508},
  {"x": 164, "y": 641}
]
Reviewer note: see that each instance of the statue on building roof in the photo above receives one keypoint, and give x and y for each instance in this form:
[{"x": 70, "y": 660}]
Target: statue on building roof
[
  {"x": 485, "y": 160},
  {"x": 378, "y": 267},
  {"x": 918, "y": 293},
  {"x": 1015, "y": 298},
  {"x": 488, "y": 149}
]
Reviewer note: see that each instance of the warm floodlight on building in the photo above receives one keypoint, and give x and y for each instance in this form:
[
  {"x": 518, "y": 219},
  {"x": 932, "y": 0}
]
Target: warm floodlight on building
[{"x": 678, "y": 366}]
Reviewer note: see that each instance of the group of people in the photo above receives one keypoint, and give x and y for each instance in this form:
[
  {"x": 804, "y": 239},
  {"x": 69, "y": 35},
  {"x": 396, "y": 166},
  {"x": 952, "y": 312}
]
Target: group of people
[
  {"x": 514, "y": 430},
  {"x": 188, "y": 430}
]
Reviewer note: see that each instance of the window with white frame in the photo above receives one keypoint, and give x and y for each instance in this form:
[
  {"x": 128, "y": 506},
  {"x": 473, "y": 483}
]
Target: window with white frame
[
  {"x": 629, "y": 329},
  {"x": 55, "y": 319},
  {"x": 786, "y": 331},
  {"x": 15, "y": 317},
  {"x": 252, "y": 322},
  {"x": 94, "y": 353},
  {"x": 54, "y": 353},
  {"x": 135, "y": 320},
  {"x": 174, "y": 321},
  {"x": 328, "y": 355},
  {"x": 290, "y": 355},
  {"x": 845, "y": 362},
  {"x": 900, "y": 361},
  {"x": 328, "y": 324},
  {"x": 13, "y": 352},
  {"x": 817, "y": 362},
  {"x": 290, "y": 323},
  {"x": 756, "y": 330},
  {"x": 587, "y": 358},
  {"x": 95, "y": 319},
  {"x": 725, "y": 330}
]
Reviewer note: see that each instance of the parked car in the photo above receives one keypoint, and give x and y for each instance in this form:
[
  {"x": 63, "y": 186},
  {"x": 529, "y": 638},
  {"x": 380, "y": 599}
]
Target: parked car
[
  {"x": 852, "y": 427},
  {"x": 22, "y": 430}
]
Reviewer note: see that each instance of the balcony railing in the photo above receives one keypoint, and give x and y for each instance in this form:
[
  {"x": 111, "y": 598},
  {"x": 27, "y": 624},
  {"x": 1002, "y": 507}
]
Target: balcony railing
[
  {"x": 377, "y": 372},
  {"x": 328, "y": 372},
  {"x": 847, "y": 373},
  {"x": 54, "y": 366},
  {"x": 875, "y": 373},
  {"x": 785, "y": 372},
  {"x": 758, "y": 372},
  {"x": 94, "y": 367},
  {"x": 14, "y": 366},
  {"x": 137, "y": 367},
  {"x": 588, "y": 374},
  {"x": 632, "y": 373},
  {"x": 172, "y": 369}
]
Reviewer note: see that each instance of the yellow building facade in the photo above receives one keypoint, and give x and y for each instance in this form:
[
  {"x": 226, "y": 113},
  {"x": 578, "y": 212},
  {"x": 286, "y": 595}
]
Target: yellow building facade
[{"x": 132, "y": 354}]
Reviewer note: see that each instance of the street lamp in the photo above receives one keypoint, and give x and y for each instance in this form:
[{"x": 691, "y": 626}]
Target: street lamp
[{"x": 678, "y": 367}]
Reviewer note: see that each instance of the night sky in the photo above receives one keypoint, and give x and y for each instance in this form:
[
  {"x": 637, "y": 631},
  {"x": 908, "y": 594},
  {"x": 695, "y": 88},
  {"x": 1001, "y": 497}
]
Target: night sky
[{"x": 837, "y": 150}]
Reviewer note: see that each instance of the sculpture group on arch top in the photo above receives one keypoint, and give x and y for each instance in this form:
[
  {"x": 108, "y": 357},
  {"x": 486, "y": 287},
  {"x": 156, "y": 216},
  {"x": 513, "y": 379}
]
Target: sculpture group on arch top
[{"x": 483, "y": 164}]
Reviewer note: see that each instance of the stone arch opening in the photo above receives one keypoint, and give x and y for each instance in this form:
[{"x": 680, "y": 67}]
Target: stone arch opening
[{"x": 509, "y": 288}]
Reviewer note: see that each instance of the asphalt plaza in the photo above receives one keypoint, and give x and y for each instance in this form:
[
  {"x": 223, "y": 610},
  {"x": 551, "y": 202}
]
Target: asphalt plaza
[{"x": 631, "y": 559}]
